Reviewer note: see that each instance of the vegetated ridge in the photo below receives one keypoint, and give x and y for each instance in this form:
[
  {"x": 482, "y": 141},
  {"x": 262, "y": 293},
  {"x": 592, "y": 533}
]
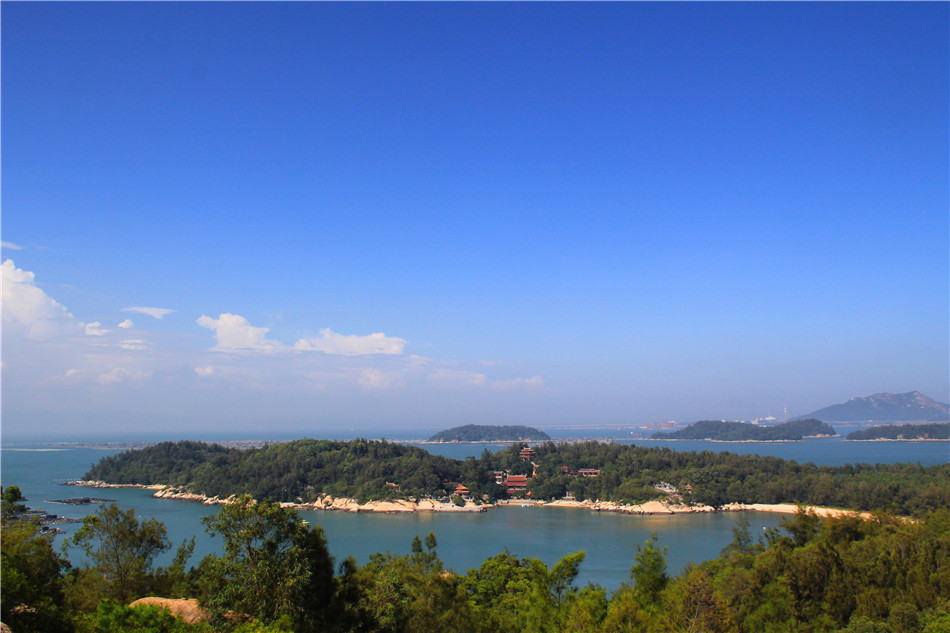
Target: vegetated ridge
[
  {"x": 912, "y": 406},
  {"x": 488, "y": 433},
  {"x": 745, "y": 432},
  {"x": 303, "y": 470},
  {"x": 275, "y": 573},
  {"x": 903, "y": 432}
]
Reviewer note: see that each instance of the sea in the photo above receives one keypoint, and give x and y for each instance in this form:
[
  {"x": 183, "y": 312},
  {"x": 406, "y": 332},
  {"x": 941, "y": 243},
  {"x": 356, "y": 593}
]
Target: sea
[{"x": 465, "y": 540}]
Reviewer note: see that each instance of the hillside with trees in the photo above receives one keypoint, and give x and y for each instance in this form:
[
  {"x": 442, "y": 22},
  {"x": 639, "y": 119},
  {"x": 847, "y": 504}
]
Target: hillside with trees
[
  {"x": 903, "y": 432},
  {"x": 488, "y": 433},
  {"x": 746, "y": 432},
  {"x": 303, "y": 470},
  {"x": 275, "y": 573}
]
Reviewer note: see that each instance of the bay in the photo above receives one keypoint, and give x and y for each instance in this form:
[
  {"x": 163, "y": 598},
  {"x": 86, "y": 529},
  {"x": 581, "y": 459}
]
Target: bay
[{"x": 465, "y": 540}]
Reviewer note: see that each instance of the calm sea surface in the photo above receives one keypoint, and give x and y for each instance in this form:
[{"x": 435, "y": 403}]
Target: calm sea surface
[{"x": 465, "y": 540}]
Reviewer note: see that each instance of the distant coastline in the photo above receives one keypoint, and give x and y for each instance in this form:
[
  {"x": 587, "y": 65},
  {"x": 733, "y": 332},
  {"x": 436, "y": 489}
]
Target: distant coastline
[
  {"x": 907, "y": 439},
  {"x": 679, "y": 439}
]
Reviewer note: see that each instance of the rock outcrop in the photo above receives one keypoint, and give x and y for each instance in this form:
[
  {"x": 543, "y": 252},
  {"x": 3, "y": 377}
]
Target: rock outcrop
[{"x": 186, "y": 609}]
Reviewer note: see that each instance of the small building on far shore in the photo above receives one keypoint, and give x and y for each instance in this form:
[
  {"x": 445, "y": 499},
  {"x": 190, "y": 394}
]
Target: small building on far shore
[{"x": 516, "y": 483}]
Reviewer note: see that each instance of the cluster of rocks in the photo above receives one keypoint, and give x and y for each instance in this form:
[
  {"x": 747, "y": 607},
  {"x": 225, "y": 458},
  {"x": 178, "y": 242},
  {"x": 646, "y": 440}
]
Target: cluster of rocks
[
  {"x": 395, "y": 505},
  {"x": 650, "y": 507}
]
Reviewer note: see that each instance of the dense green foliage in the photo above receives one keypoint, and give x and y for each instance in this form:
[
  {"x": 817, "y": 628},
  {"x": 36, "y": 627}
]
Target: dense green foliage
[
  {"x": 304, "y": 469},
  {"x": 10, "y": 505},
  {"x": 488, "y": 433},
  {"x": 273, "y": 566},
  {"x": 629, "y": 473},
  {"x": 811, "y": 575},
  {"x": 110, "y": 617},
  {"x": 31, "y": 579},
  {"x": 745, "y": 432},
  {"x": 290, "y": 471},
  {"x": 903, "y": 432},
  {"x": 120, "y": 553}
]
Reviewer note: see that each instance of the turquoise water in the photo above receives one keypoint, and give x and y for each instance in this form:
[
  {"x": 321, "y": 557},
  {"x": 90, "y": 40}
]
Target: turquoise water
[{"x": 465, "y": 540}]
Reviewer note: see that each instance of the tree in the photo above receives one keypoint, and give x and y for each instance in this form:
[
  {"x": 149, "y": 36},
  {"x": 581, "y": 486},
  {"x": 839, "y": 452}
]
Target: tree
[
  {"x": 121, "y": 552},
  {"x": 31, "y": 577},
  {"x": 274, "y": 565},
  {"x": 649, "y": 570},
  {"x": 584, "y": 611},
  {"x": 10, "y": 502},
  {"x": 741, "y": 538}
]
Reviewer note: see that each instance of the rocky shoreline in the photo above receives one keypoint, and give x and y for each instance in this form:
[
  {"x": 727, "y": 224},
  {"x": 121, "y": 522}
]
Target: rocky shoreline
[
  {"x": 343, "y": 504},
  {"x": 325, "y": 502}
]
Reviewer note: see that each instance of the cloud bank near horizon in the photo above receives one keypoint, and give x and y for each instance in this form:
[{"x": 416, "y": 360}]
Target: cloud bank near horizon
[{"x": 55, "y": 363}]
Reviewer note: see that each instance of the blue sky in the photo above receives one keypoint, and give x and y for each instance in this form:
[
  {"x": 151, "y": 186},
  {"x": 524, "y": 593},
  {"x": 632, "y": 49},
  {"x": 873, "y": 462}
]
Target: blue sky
[{"x": 308, "y": 217}]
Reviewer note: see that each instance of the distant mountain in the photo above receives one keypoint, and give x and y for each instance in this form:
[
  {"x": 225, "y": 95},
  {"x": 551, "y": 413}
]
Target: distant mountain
[
  {"x": 487, "y": 433},
  {"x": 886, "y": 407},
  {"x": 746, "y": 432}
]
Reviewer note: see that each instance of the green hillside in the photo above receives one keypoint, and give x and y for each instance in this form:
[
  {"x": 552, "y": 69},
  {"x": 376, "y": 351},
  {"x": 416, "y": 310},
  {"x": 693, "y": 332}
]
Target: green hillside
[{"x": 488, "y": 433}]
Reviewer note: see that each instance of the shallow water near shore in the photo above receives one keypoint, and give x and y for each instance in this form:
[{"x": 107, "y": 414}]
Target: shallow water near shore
[{"x": 465, "y": 540}]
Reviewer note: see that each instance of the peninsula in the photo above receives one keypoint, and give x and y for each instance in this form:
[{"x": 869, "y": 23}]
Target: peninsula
[{"x": 363, "y": 474}]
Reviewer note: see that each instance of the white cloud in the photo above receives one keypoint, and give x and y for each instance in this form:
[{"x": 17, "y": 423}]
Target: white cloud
[
  {"x": 158, "y": 313},
  {"x": 376, "y": 379},
  {"x": 330, "y": 342},
  {"x": 95, "y": 329},
  {"x": 120, "y": 374},
  {"x": 11, "y": 246},
  {"x": 456, "y": 378},
  {"x": 126, "y": 325},
  {"x": 519, "y": 384},
  {"x": 27, "y": 308},
  {"x": 207, "y": 370},
  {"x": 235, "y": 334},
  {"x": 135, "y": 344}
]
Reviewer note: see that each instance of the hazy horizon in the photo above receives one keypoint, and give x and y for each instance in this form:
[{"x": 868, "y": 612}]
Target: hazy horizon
[{"x": 317, "y": 217}]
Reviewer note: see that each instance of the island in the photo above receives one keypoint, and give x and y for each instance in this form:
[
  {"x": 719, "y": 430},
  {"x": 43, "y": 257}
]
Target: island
[
  {"x": 902, "y": 432},
  {"x": 369, "y": 475},
  {"x": 721, "y": 431},
  {"x": 488, "y": 433}
]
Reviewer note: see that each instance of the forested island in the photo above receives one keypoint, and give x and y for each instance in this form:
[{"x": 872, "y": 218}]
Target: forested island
[
  {"x": 489, "y": 433},
  {"x": 903, "y": 432},
  {"x": 745, "y": 432},
  {"x": 303, "y": 471}
]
